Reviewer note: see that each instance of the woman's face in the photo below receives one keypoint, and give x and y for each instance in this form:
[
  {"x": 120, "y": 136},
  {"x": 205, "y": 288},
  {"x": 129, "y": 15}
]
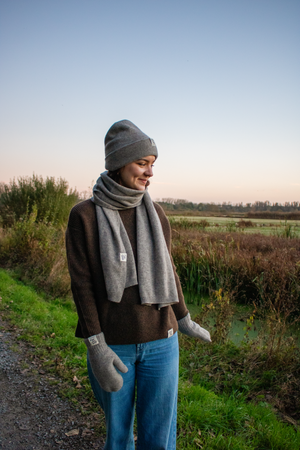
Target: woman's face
[{"x": 136, "y": 174}]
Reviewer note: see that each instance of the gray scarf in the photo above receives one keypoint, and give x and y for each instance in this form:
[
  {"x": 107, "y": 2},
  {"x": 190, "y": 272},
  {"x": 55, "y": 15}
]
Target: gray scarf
[{"x": 155, "y": 276}]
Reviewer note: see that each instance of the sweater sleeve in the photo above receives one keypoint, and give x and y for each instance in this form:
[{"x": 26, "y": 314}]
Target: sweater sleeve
[
  {"x": 180, "y": 309},
  {"x": 81, "y": 278}
]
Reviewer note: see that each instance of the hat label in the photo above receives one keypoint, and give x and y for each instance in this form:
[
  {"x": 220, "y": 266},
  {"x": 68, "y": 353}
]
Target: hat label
[
  {"x": 152, "y": 142},
  {"x": 123, "y": 257}
]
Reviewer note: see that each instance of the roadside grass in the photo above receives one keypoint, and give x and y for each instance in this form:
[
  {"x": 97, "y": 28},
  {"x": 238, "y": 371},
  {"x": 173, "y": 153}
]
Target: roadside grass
[
  {"x": 220, "y": 405},
  {"x": 48, "y": 326}
]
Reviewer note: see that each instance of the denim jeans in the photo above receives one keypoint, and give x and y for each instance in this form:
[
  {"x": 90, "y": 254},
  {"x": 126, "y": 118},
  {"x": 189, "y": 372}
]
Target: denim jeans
[{"x": 152, "y": 383}]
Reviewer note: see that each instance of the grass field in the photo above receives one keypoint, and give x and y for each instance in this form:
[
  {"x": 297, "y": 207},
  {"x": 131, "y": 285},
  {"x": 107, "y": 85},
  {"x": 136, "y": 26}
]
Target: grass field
[{"x": 262, "y": 226}]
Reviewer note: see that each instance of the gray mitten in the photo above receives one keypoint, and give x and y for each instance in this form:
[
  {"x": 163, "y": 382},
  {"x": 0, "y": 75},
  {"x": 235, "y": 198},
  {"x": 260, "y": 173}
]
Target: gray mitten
[
  {"x": 104, "y": 362},
  {"x": 190, "y": 328}
]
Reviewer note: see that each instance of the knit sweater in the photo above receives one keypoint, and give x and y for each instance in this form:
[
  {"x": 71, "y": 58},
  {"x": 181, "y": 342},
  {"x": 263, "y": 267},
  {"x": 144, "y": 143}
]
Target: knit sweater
[{"x": 127, "y": 322}]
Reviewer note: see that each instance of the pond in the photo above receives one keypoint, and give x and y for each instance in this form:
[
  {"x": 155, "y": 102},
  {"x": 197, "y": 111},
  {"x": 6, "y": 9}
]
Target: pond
[{"x": 239, "y": 323}]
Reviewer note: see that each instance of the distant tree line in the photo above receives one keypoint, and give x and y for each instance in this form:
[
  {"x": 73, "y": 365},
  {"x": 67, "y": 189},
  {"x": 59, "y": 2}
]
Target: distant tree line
[{"x": 172, "y": 204}]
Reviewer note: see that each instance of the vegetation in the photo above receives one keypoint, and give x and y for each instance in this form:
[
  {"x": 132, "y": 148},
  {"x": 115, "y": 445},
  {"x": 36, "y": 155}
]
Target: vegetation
[
  {"x": 243, "y": 396},
  {"x": 288, "y": 210},
  {"x": 48, "y": 325},
  {"x": 50, "y": 199},
  {"x": 228, "y": 395},
  {"x": 252, "y": 268},
  {"x": 271, "y": 227},
  {"x": 34, "y": 213}
]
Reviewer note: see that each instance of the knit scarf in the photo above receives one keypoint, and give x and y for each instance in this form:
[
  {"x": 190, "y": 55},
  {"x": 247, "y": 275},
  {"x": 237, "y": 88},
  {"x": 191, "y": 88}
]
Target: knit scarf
[{"x": 153, "y": 272}]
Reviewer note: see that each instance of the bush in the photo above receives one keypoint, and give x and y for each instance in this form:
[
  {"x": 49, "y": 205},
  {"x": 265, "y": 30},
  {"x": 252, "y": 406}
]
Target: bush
[
  {"x": 34, "y": 214},
  {"x": 37, "y": 251},
  {"x": 52, "y": 198}
]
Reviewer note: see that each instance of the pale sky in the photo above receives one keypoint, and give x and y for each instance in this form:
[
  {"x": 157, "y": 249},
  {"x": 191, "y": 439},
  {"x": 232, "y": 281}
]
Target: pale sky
[{"x": 214, "y": 82}]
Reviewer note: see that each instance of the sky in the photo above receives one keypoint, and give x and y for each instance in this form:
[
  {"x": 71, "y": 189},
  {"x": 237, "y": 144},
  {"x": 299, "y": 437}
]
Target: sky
[{"x": 214, "y": 82}]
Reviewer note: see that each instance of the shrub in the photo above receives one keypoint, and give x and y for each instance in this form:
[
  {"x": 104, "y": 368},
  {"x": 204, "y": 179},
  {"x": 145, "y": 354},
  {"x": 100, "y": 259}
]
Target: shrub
[
  {"x": 37, "y": 251},
  {"x": 185, "y": 224},
  {"x": 52, "y": 198},
  {"x": 245, "y": 224},
  {"x": 34, "y": 213}
]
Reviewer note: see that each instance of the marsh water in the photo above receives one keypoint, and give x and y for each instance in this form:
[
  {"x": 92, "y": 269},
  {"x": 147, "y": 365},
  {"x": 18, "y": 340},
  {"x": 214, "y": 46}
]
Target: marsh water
[{"x": 237, "y": 333}]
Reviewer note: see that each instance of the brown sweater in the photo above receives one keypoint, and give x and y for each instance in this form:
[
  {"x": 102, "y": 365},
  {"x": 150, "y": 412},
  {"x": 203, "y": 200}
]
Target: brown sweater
[{"x": 127, "y": 322}]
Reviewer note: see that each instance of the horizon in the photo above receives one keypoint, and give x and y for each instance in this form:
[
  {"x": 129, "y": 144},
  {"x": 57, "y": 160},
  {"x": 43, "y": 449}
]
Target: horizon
[{"x": 87, "y": 193}]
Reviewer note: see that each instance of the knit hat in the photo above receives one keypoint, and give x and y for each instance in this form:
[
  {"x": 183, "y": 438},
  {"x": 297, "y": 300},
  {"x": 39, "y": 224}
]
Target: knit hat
[{"x": 125, "y": 143}]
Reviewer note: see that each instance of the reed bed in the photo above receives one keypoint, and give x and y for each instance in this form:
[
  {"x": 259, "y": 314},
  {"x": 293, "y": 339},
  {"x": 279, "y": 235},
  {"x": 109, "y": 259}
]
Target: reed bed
[{"x": 252, "y": 267}]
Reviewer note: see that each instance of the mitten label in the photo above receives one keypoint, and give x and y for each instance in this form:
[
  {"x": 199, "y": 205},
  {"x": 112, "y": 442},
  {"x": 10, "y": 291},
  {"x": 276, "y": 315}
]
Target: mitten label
[
  {"x": 170, "y": 332},
  {"x": 93, "y": 340}
]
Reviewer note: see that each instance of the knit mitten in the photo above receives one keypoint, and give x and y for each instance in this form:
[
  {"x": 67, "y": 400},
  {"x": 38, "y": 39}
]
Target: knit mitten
[
  {"x": 190, "y": 328},
  {"x": 104, "y": 362}
]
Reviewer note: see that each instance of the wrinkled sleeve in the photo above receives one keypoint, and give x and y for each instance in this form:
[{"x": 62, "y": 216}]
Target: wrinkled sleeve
[{"x": 81, "y": 278}]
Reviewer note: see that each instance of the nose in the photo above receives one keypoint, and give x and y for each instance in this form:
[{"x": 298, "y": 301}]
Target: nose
[{"x": 149, "y": 171}]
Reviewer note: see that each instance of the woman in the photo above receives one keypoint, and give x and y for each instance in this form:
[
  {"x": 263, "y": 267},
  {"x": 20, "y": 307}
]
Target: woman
[{"x": 128, "y": 296}]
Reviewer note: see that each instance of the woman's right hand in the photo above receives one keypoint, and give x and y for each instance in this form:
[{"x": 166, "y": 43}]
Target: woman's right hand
[{"x": 104, "y": 362}]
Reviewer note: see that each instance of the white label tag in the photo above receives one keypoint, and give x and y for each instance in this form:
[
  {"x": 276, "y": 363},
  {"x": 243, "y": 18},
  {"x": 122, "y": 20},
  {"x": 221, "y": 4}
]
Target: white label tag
[
  {"x": 123, "y": 257},
  {"x": 152, "y": 142},
  {"x": 170, "y": 332},
  {"x": 93, "y": 340}
]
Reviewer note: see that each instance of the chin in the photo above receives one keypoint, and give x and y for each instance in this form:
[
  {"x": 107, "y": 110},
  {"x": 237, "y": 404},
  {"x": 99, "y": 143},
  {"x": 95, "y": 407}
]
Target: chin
[{"x": 140, "y": 187}]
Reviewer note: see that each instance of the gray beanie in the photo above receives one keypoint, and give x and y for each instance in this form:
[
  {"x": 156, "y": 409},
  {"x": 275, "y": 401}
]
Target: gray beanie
[{"x": 125, "y": 143}]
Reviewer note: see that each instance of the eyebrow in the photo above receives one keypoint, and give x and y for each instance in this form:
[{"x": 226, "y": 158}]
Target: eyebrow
[{"x": 142, "y": 159}]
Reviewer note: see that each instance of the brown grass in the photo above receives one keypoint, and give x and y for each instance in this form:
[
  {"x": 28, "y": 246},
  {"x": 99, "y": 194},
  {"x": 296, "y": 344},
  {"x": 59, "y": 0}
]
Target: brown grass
[{"x": 256, "y": 267}]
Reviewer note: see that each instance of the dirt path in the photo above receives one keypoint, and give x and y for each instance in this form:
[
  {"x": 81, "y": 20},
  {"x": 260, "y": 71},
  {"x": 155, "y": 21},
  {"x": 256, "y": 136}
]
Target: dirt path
[{"x": 32, "y": 415}]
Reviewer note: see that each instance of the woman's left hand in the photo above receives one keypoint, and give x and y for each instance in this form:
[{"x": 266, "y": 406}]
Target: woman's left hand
[{"x": 193, "y": 329}]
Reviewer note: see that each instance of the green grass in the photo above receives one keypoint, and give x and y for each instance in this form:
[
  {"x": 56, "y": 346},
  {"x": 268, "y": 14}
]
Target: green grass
[
  {"x": 212, "y": 414},
  {"x": 223, "y": 404},
  {"x": 40, "y": 319},
  {"x": 209, "y": 421},
  {"x": 262, "y": 226},
  {"x": 224, "y": 220},
  {"x": 48, "y": 325}
]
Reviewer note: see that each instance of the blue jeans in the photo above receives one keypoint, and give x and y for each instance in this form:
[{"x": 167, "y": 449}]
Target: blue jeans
[{"x": 153, "y": 374}]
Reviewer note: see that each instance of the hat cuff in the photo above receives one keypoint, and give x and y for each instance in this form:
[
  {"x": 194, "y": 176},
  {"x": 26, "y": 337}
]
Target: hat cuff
[{"x": 130, "y": 153}]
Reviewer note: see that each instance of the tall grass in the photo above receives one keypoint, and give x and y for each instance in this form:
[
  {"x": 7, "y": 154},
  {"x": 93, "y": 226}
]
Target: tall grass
[
  {"x": 288, "y": 231},
  {"x": 37, "y": 251},
  {"x": 251, "y": 267}
]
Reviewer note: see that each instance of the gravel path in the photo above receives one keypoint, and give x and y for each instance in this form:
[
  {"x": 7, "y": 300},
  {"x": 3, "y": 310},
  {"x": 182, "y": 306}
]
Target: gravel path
[{"x": 32, "y": 415}]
